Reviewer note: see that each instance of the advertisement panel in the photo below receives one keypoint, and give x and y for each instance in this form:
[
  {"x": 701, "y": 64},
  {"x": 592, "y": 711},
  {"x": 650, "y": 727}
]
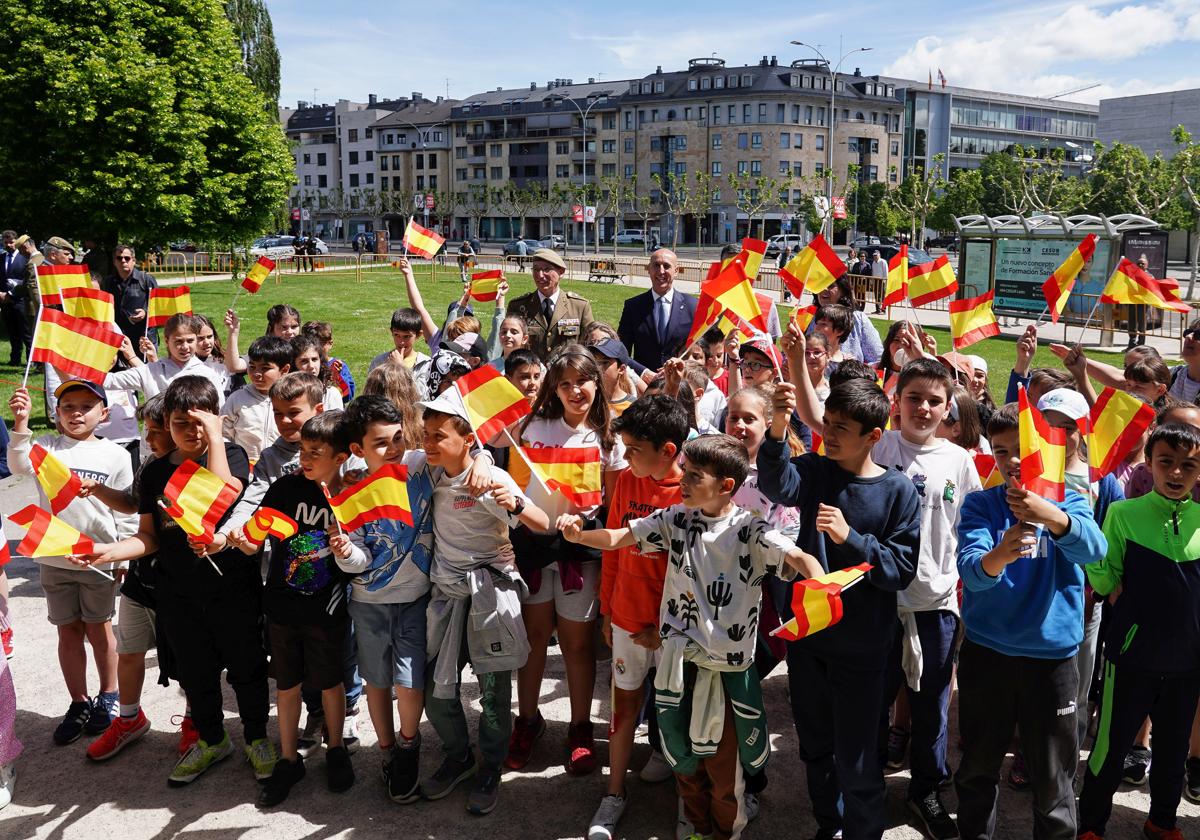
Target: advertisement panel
[
  {"x": 975, "y": 271},
  {"x": 1022, "y": 266}
]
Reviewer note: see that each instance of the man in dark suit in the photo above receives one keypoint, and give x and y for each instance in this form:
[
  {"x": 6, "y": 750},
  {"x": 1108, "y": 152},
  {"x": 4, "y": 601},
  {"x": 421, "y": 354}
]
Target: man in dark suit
[
  {"x": 655, "y": 324},
  {"x": 12, "y": 290}
]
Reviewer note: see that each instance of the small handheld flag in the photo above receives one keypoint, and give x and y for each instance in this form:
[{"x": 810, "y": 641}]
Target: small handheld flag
[
  {"x": 931, "y": 281},
  {"x": 89, "y": 304},
  {"x": 492, "y": 402},
  {"x": 197, "y": 498},
  {"x": 1130, "y": 284},
  {"x": 48, "y": 535},
  {"x": 382, "y": 495},
  {"x": 897, "y": 278},
  {"x": 1043, "y": 452},
  {"x": 167, "y": 302},
  {"x": 485, "y": 285},
  {"x": 989, "y": 472},
  {"x": 803, "y": 316},
  {"x": 1057, "y": 288},
  {"x": 421, "y": 241},
  {"x": 53, "y": 279},
  {"x": 972, "y": 320},
  {"x": 573, "y": 471},
  {"x": 1116, "y": 424},
  {"x": 60, "y": 484},
  {"x": 77, "y": 347},
  {"x": 817, "y": 602},
  {"x": 815, "y": 268},
  {"x": 268, "y": 522},
  {"x": 258, "y": 274},
  {"x": 338, "y": 373}
]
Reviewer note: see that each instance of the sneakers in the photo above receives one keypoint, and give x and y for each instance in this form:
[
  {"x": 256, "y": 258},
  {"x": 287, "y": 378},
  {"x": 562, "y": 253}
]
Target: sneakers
[
  {"x": 277, "y": 788},
  {"x": 6, "y": 641},
  {"x": 1137, "y": 766},
  {"x": 606, "y": 817},
  {"x": 520, "y": 745},
  {"x": 310, "y": 738},
  {"x": 1191, "y": 788},
  {"x": 261, "y": 756},
  {"x": 581, "y": 749},
  {"x": 897, "y": 747},
  {"x": 1018, "y": 776},
  {"x": 188, "y": 734},
  {"x": 104, "y": 710},
  {"x": 199, "y": 758},
  {"x": 401, "y": 771},
  {"x": 447, "y": 777},
  {"x": 750, "y": 805},
  {"x": 1152, "y": 832},
  {"x": 77, "y": 716},
  {"x": 8, "y": 784},
  {"x": 485, "y": 792},
  {"x": 120, "y": 733},
  {"x": 339, "y": 770},
  {"x": 350, "y": 732},
  {"x": 933, "y": 818},
  {"x": 656, "y": 769}
]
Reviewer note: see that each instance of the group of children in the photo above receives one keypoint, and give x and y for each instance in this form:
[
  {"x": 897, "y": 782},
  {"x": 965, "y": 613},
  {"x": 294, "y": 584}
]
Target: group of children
[{"x": 736, "y": 471}]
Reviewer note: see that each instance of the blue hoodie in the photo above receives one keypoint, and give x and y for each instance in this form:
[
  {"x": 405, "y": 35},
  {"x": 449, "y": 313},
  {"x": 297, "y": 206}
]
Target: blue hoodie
[{"x": 1034, "y": 607}]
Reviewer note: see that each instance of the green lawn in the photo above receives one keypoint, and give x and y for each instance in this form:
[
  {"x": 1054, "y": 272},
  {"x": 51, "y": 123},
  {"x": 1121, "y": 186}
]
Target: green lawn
[{"x": 360, "y": 312}]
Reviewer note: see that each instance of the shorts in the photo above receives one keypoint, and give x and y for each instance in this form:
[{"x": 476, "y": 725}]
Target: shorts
[
  {"x": 135, "y": 627},
  {"x": 391, "y": 642},
  {"x": 581, "y": 605},
  {"x": 77, "y": 595},
  {"x": 631, "y": 662},
  {"x": 308, "y": 653}
]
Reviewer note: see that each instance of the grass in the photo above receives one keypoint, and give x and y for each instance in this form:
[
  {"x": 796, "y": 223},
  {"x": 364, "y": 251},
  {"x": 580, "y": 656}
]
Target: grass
[{"x": 360, "y": 313}]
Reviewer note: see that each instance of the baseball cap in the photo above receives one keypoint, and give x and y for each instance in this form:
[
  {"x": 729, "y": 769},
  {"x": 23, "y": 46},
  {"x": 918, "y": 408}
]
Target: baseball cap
[
  {"x": 764, "y": 345},
  {"x": 1063, "y": 400},
  {"x": 958, "y": 364},
  {"x": 550, "y": 256},
  {"x": 21, "y": 240},
  {"x": 448, "y": 402},
  {"x": 979, "y": 363},
  {"x": 611, "y": 348},
  {"x": 467, "y": 344},
  {"x": 81, "y": 383}
]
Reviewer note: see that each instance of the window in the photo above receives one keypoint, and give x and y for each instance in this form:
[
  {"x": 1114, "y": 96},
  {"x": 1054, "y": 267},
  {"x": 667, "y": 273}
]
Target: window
[
  {"x": 459, "y": 175},
  {"x": 732, "y": 81},
  {"x": 656, "y": 196},
  {"x": 681, "y": 143},
  {"x": 383, "y": 163},
  {"x": 628, "y": 120},
  {"x": 395, "y": 182},
  {"x": 629, "y": 145},
  {"x": 784, "y": 167},
  {"x": 692, "y": 84},
  {"x": 852, "y": 145},
  {"x": 892, "y": 175},
  {"x": 656, "y": 144},
  {"x": 762, "y": 111},
  {"x": 561, "y": 147},
  {"x": 370, "y": 177},
  {"x": 383, "y": 184},
  {"x": 355, "y": 202},
  {"x": 872, "y": 173},
  {"x": 389, "y": 139},
  {"x": 370, "y": 156},
  {"x": 656, "y": 169},
  {"x": 687, "y": 113},
  {"x": 716, "y": 167},
  {"x": 796, "y": 113},
  {"x": 894, "y": 147},
  {"x": 742, "y": 169},
  {"x": 716, "y": 115},
  {"x": 756, "y": 140},
  {"x": 705, "y": 83},
  {"x": 354, "y": 135},
  {"x": 874, "y": 147},
  {"x": 561, "y": 170},
  {"x": 354, "y": 179},
  {"x": 322, "y": 180},
  {"x": 780, "y": 112},
  {"x": 716, "y": 141},
  {"x": 496, "y": 150},
  {"x": 719, "y": 82},
  {"x": 797, "y": 196},
  {"x": 353, "y": 158},
  {"x": 658, "y": 86},
  {"x": 433, "y": 182},
  {"x": 629, "y": 170},
  {"x": 732, "y": 114},
  {"x": 818, "y": 169},
  {"x": 680, "y": 168},
  {"x": 808, "y": 114},
  {"x": 820, "y": 142},
  {"x": 609, "y": 147},
  {"x": 460, "y": 153},
  {"x": 653, "y": 115},
  {"x": 798, "y": 140},
  {"x": 608, "y": 169},
  {"x": 702, "y": 111},
  {"x": 747, "y": 112},
  {"x": 716, "y": 196},
  {"x": 308, "y": 158},
  {"x": 798, "y": 168},
  {"x": 321, "y": 158},
  {"x": 420, "y": 161},
  {"x": 420, "y": 182},
  {"x": 497, "y": 173},
  {"x": 821, "y": 116},
  {"x": 743, "y": 140},
  {"x": 756, "y": 167},
  {"x": 609, "y": 122},
  {"x": 308, "y": 180}
]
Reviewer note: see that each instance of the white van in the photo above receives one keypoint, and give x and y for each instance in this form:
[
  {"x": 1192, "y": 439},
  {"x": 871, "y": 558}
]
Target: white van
[{"x": 779, "y": 241}]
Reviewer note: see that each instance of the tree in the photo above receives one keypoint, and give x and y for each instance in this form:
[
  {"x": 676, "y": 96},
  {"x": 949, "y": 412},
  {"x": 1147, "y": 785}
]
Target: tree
[
  {"x": 1187, "y": 165},
  {"x": 640, "y": 204},
  {"x": 754, "y": 195},
  {"x": 339, "y": 204},
  {"x": 1000, "y": 174},
  {"x": 699, "y": 201},
  {"x": 610, "y": 199},
  {"x": 918, "y": 196},
  {"x": 260, "y": 57},
  {"x": 478, "y": 204},
  {"x": 962, "y": 196},
  {"x": 524, "y": 200},
  {"x": 675, "y": 191},
  {"x": 131, "y": 119}
]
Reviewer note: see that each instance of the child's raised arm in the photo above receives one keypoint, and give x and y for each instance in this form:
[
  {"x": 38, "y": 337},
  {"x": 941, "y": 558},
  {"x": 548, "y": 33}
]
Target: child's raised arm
[
  {"x": 234, "y": 363},
  {"x": 606, "y": 539},
  {"x": 807, "y": 405},
  {"x": 428, "y": 325}
]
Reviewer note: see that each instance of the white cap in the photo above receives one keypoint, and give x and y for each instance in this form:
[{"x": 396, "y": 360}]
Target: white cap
[
  {"x": 449, "y": 402},
  {"x": 1064, "y": 400},
  {"x": 979, "y": 363}
]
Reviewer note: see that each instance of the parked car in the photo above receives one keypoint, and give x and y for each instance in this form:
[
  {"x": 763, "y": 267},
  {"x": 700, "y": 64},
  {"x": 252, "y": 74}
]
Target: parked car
[
  {"x": 273, "y": 247},
  {"x": 915, "y": 255},
  {"x": 941, "y": 241},
  {"x": 531, "y": 245},
  {"x": 555, "y": 241},
  {"x": 630, "y": 237},
  {"x": 185, "y": 245},
  {"x": 865, "y": 241},
  {"x": 777, "y": 243}
]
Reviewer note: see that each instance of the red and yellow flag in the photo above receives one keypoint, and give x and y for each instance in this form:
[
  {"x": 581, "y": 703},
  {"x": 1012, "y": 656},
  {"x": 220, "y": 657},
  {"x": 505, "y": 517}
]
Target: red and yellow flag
[
  {"x": 48, "y": 535},
  {"x": 817, "y": 602},
  {"x": 1129, "y": 284},
  {"x": 421, "y": 241},
  {"x": 167, "y": 302},
  {"x": 268, "y": 522},
  {"x": 731, "y": 289},
  {"x": 1057, "y": 288},
  {"x": 803, "y": 316},
  {"x": 815, "y": 268},
  {"x": 573, "y": 471},
  {"x": 897, "y": 278},
  {"x": 52, "y": 279},
  {"x": 972, "y": 320},
  {"x": 492, "y": 402},
  {"x": 197, "y": 498},
  {"x": 90, "y": 304},
  {"x": 1116, "y": 424},
  {"x": 338, "y": 374},
  {"x": 77, "y": 347},
  {"x": 818, "y": 443},
  {"x": 485, "y": 285},
  {"x": 60, "y": 484},
  {"x": 931, "y": 281},
  {"x": 381, "y": 495},
  {"x": 989, "y": 473},
  {"x": 1043, "y": 452},
  {"x": 258, "y": 274}
]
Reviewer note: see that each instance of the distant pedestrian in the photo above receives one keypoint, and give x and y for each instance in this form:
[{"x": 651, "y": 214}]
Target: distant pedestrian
[
  {"x": 879, "y": 271},
  {"x": 310, "y": 251},
  {"x": 298, "y": 252},
  {"x": 1137, "y": 314}
]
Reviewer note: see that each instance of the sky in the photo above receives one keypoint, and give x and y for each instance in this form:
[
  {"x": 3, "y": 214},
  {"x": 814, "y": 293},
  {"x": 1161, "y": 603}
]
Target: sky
[{"x": 1015, "y": 46}]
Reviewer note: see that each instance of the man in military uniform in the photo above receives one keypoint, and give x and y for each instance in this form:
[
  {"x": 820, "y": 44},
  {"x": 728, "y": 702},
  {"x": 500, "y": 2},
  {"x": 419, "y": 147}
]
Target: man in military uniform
[
  {"x": 555, "y": 316},
  {"x": 59, "y": 251}
]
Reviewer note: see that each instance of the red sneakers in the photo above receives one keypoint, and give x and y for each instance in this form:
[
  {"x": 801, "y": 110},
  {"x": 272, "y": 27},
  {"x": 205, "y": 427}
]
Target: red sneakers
[
  {"x": 1152, "y": 832},
  {"x": 188, "y": 735},
  {"x": 581, "y": 749},
  {"x": 520, "y": 745},
  {"x": 120, "y": 733},
  {"x": 7, "y": 642}
]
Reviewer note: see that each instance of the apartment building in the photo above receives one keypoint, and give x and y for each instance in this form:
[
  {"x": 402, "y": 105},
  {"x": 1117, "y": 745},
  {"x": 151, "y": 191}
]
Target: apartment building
[{"x": 412, "y": 156}]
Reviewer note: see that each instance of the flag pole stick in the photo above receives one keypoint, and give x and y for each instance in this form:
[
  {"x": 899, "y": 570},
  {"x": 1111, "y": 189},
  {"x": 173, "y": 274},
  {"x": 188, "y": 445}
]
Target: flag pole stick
[
  {"x": 37, "y": 322},
  {"x": 102, "y": 573},
  {"x": 167, "y": 510},
  {"x": 1045, "y": 312},
  {"x": 336, "y": 521},
  {"x": 532, "y": 469},
  {"x": 1088, "y": 321},
  {"x": 858, "y": 579}
]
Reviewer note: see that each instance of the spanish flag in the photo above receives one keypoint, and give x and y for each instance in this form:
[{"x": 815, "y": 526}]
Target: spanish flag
[
  {"x": 731, "y": 289},
  {"x": 167, "y": 302},
  {"x": 815, "y": 268},
  {"x": 750, "y": 258},
  {"x": 421, "y": 241},
  {"x": 268, "y": 522},
  {"x": 817, "y": 602},
  {"x": 897, "y": 278},
  {"x": 381, "y": 495},
  {"x": 989, "y": 472},
  {"x": 77, "y": 347},
  {"x": 1129, "y": 284},
  {"x": 803, "y": 316},
  {"x": 52, "y": 279},
  {"x": 931, "y": 281},
  {"x": 492, "y": 402},
  {"x": 818, "y": 443},
  {"x": 89, "y": 304},
  {"x": 972, "y": 320},
  {"x": 1058, "y": 285},
  {"x": 48, "y": 535},
  {"x": 1043, "y": 452},
  {"x": 573, "y": 471},
  {"x": 58, "y": 482},
  {"x": 485, "y": 285},
  {"x": 708, "y": 315},
  {"x": 338, "y": 374},
  {"x": 258, "y": 274},
  {"x": 1116, "y": 425},
  {"x": 197, "y": 498}
]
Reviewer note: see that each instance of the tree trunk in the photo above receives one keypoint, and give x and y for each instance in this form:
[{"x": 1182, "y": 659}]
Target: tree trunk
[{"x": 1195, "y": 257}]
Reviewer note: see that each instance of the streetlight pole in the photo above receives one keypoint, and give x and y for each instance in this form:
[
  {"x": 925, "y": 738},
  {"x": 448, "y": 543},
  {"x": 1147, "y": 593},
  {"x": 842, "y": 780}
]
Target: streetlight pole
[
  {"x": 583, "y": 115},
  {"x": 829, "y": 144},
  {"x": 421, "y": 135}
]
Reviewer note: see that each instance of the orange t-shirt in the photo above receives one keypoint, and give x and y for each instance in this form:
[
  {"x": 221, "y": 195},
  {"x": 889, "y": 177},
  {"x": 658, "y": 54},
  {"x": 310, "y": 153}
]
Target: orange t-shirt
[{"x": 631, "y": 581}]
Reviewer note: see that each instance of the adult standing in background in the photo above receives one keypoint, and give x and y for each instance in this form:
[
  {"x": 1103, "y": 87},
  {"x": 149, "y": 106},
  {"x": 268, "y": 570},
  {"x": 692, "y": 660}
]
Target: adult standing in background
[
  {"x": 12, "y": 286},
  {"x": 555, "y": 316},
  {"x": 1137, "y": 313},
  {"x": 655, "y": 324},
  {"x": 130, "y": 288},
  {"x": 879, "y": 270}
]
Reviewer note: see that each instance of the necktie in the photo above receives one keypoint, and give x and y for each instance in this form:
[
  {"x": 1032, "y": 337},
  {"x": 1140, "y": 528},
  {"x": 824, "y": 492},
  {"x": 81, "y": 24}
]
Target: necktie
[
  {"x": 661, "y": 320},
  {"x": 547, "y": 310}
]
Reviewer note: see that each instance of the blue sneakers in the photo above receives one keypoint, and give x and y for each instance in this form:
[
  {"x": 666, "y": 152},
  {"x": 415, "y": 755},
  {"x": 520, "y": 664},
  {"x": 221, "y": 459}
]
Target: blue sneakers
[{"x": 104, "y": 709}]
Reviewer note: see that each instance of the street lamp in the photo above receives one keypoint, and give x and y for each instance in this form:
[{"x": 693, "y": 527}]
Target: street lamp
[
  {"x": 829, "y": 143},
  {"x": 583, "y": 115},
  {"x": 421, "y": 135}
]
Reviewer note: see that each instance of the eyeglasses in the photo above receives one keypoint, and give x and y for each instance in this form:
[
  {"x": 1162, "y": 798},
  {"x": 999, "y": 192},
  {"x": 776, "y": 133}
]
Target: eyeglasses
[
  {"x": 125, "y": 258},
  {"x": 754, "y": 366}
]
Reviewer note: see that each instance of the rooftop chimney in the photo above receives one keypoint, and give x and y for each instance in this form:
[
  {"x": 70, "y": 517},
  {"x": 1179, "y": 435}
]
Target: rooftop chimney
[
  {"x": 417, "y": 97},
  {"x": 774, "y": 61},
  {"x": 591, "y": 81},
  {"x": 763, "y": 62},
  {"x": 372, "y": 99},
  {"x": 658, "y": 70},
  {"x": 301, "y": 105},
  {"x": 533, "y": 85},
  {"x": 439, "y": 100},
  {"x": 857, "y": 71},
  {"x": 498, "y": 88}
]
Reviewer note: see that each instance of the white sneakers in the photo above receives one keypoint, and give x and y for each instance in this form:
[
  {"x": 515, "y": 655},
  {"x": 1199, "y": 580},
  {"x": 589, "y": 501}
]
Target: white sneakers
[
  {"x": 656, "y": 770},
  {"x": 8, "y": 784},
  {"x": 606, "y": 817}
]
